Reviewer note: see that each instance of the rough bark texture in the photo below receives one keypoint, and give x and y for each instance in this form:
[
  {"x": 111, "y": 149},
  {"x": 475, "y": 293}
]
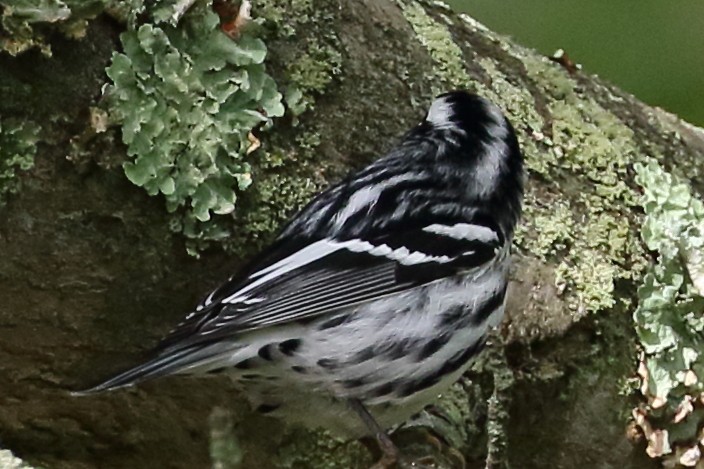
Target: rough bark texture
[{"x": 91, "y": 276}]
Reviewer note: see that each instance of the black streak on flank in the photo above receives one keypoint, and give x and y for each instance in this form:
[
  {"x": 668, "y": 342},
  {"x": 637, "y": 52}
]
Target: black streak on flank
[
  {"x": 299, "y": 369},
  {"x": 384, "y": 389},
  {"x": 452, "y": 315},
  {"x": 354, "y": 383},
  {"x": 327, "y": 363},
  {"x": 267, "y": 408},
  {"x": 363, "y": 355},
  {"x": 402, "y": 348},
  {"x": 289, "y": 347},
  {"x": 244, "y": 364},
  {"x": 418, "y": 385},
  {"x": 450, "y": 366},
  {"x": 219, "y": 370},
  {"x": 461, "y": 357},
  {"x": 488, "y": 307},
  {"x": 432, "y": 346},
  {"x": 265, "y": 352},
  {"x": 394, "y": 351}
]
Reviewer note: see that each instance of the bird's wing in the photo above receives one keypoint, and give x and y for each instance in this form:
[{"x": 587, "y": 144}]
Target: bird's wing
[{"x": 328, "y": 274}]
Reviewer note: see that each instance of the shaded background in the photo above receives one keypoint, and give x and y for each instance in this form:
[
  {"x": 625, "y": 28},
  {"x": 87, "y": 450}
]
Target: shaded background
[{"x": 651, "y": 48}]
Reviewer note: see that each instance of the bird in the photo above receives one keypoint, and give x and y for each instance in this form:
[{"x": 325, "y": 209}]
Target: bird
[{"x": 377, "y": 295}]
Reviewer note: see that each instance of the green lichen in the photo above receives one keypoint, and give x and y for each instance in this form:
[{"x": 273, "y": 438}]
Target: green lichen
[
  {"x": 187, "y": 98},
  {"x": 441, "y": 47},
  {"x": 301, "y": 36},
  {"x": 518, "y": 104},
  {"x": 25, "y": 23},
  {"x": 319, "y": 450},
  {"x": 277, "y": 197},
  {"x": 594, "y": 239},
  {"x": 554, "y": 219},
  {"x": 669, "y": 315},
  {"x": 17, "y": 150},
  {"x": 310, "y": 49},
  {"x": 313, "y": 71}
]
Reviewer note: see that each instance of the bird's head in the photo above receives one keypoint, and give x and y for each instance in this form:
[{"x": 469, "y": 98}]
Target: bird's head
[
  {"x": 464, "y": 112},
  {"x": 471, "y": 134}
]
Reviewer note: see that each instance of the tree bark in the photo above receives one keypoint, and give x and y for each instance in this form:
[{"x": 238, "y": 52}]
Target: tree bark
[{"x": 91, "y": 275}]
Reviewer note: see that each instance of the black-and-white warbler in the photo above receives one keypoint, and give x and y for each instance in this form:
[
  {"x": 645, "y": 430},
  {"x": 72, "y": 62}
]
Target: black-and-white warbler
[{"x": 379, "y": 293}]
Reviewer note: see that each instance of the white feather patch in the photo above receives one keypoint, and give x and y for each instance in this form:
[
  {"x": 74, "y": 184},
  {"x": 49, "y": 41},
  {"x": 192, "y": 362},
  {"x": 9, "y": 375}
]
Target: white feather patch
[
  {"x": 300, "y": 258},
  {"x": 466, "y": 231},
  {"x": 320, "y": 249},
  {"x": 401, "y": 255},
  {"x": 440, "y": 113}
]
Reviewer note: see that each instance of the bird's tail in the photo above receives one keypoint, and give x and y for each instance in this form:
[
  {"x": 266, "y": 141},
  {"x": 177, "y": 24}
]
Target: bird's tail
[{"x": 163, "y": 364}]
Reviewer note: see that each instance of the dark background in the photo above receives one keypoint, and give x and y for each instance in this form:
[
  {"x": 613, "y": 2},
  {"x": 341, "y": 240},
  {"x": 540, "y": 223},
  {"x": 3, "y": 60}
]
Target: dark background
[{"x": 651, "y": 48}]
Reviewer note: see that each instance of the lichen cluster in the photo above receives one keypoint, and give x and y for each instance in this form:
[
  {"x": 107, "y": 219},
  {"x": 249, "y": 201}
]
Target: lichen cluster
[
  {"x": 188, "y": 98},
  {"x": 602, "y": 247},
  {"x": 669, "y": 318},
  {"x": 25, "y": 23},
  {"x": 437, "y": 39},
  {"x": 17, "y": 150}
]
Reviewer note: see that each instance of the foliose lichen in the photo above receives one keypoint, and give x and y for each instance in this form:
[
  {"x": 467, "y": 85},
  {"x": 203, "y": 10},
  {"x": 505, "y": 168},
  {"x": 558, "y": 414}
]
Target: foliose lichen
[
  {"x": 25, "y": 22},
  {"x": 18, "y": 140},
  {"x": 669, "y": 319},
  {"x": 188, "y": 98}
]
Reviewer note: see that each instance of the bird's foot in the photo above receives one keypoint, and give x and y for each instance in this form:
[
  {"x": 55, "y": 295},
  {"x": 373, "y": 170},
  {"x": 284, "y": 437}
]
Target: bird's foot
[
  {"x": 390, "y": 455},
  {"x": 424, "y": 449}
]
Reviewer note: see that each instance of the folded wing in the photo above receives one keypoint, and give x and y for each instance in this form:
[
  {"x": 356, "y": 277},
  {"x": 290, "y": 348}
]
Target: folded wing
[{"x": 329, "y": 275}]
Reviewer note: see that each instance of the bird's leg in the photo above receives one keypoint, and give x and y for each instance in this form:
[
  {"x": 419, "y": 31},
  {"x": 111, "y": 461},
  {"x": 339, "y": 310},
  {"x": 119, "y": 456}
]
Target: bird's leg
[{"x": 389, "y": 453}]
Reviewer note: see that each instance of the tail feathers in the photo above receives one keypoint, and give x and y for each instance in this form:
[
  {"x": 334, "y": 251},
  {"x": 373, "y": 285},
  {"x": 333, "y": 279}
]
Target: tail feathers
[{"x": 161, "y": 365}]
